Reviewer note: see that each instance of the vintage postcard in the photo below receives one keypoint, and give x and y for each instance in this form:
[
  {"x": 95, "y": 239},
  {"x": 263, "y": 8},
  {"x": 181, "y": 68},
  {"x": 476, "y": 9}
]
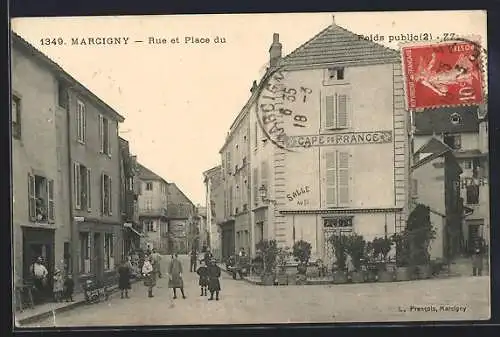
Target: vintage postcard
[{"x": 188, "y": 170}]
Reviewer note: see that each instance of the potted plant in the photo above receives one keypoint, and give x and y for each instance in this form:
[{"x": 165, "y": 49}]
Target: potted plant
[
  {"x": 355, "y": 247},
  {"x": 339, "y": 272},
  {"x": 421, "y": 233},
  {"x": 382, "y": 247},
  {"x": 371, "y": 272},
  {"x": 302, "y": 252},
  {"x": 403, "y": 271},
  {"x": 283, "y": 255},
  {"x": 269, "y": 251}
]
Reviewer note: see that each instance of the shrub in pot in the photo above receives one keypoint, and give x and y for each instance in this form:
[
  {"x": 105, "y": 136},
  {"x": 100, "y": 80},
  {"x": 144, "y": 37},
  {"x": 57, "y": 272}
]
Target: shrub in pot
[
  {"x": 370, "y": 263},
  {"x": 283, "y": 255},
  {"x": 355, "y": 248},
  {"x": 301, "y": 251},
  {"x": 403, "y": 270},
  {"x": 420, "y": 234},
  {"x": 269, "y": 251},
  {"x": 382, "y": 247},
  {"x": 339, "y": 271}
]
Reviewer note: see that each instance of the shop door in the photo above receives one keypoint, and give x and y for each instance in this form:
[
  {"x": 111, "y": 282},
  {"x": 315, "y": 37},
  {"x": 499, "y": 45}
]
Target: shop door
[
  {"x": 474, "y": 237},
  {"x": 37, "y": 243}
]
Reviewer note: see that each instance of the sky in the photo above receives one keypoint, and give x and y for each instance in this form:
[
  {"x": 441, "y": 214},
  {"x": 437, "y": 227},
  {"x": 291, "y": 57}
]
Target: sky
[{"x": 179, "y": 99}]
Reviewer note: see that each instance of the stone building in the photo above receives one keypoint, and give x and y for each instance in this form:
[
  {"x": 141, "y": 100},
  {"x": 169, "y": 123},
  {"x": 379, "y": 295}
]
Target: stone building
[
  {"x": 153, "y": 209},
  {"x": 214, "y": 198},
  {"x": 328, "y": 143},
  {"x": 181, "y": 225}
]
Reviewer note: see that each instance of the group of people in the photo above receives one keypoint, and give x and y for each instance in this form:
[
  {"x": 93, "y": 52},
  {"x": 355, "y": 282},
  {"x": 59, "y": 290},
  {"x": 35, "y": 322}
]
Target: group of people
[
  {"x": 62, "y": 283},
  {"x": 208, "y": 272}
]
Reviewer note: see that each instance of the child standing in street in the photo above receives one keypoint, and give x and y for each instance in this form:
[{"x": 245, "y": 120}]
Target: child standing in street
[
  {"x": 58, "y": 285},
  {"x": 203, "y": 274}
]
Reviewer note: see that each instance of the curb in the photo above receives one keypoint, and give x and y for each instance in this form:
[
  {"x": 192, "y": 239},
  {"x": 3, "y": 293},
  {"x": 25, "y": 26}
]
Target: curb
[{"x": 46, "y": 314}]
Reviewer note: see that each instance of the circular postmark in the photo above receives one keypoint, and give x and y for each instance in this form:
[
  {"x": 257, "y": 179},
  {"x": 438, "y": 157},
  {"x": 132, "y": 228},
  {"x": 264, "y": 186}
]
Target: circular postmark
[{"x": 281, "y": 105}]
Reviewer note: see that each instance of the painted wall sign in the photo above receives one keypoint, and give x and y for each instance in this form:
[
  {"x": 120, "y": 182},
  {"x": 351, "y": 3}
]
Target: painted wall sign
[
  {"x": 298, "y": 192},
  {"x": 468, "y": 181},
  {"x": 351, "y": 138}
]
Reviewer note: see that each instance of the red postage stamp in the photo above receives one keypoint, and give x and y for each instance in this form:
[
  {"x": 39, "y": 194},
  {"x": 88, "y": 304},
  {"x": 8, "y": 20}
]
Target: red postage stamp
[{"x": 442, "y": 74}]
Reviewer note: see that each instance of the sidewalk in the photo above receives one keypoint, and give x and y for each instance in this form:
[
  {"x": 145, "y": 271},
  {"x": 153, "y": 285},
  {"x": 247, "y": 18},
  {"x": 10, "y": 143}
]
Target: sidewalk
[{"x": 45, "y": 310}]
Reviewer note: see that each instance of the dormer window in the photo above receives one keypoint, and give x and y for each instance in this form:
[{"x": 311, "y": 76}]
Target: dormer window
[
  {"x": 455, "y": 119},
  {"x": 335, "y": 74}
]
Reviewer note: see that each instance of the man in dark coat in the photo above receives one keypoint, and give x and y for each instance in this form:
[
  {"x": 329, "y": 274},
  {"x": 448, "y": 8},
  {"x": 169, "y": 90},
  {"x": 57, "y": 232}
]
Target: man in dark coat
[
  {"x": 193, "y": 256},
  {"x": 175, "y": 276},
  {"x": 477, "y": 258},
  {"x": 124, "y": 278},
  {"x": 213, "y": 280}
]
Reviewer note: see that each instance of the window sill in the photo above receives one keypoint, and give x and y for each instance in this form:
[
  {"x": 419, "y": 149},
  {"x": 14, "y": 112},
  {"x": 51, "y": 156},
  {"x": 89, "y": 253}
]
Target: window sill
[{"x": 327, "y": 83}]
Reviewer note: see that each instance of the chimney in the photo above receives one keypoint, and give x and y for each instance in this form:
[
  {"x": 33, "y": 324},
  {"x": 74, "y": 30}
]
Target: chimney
[
  {"x": 275, "y": 51},
  {"x": 333, "y": 19},
  {"x": 254, "y": 86}
]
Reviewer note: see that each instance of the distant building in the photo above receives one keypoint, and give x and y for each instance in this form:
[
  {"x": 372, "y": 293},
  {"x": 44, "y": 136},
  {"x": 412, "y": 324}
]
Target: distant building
[
  {"x": 465, "y": 131},
  {"x": 214, "y": 198},
  {"x": 183, "y": 230},
  {"x": 436, "y": 184},
  {"x": 129, "y": 198},
  {"x": 153, "y": 209}
]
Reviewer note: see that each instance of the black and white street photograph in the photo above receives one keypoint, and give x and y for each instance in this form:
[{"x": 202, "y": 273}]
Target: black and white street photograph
[{"x": 250, "y": 169}]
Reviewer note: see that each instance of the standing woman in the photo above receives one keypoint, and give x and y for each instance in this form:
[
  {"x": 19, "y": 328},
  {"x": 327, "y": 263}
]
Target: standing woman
[
  {"x": 175, "y": 276},
  {"x": 149, "y": 275},
  {"x": 124, "y": 271}
]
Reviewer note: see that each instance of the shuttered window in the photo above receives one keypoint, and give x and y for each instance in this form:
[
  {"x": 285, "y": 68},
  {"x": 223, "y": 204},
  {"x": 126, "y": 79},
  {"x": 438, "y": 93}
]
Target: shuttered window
[
  {"x": 32, "y": 197},
  {"x": 263, "y": 173},
  {"x": 50, "y": 200},
  {"x": 337, "y": 107},
  {"x": 89, "y": 190},
  {"x": 337, "y": 178},
  {"x": 77, "y": 192},
  {"x": 81, "y": 123}
]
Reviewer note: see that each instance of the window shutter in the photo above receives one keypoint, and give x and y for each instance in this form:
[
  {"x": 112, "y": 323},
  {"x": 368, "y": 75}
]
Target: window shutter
[
  {"x": 108, "y": 131},
  {"x": 103, "y": 194},
  {"x": 101, "y": 133},
  {"x": 329, "y": 111},
  {"x": 89, "y": 190},
  {"x": 77, "y": 185},
  {"x": 105, "y": 249},
  {"x": 31, "y": 197},
  {"x": 331, "y": 179},
  {"x": 78, "y": 124},
  {"x": 263, "y": 173},
  {"x": 343, "y": 177},
  {"x": 84, "y": 123},
  {"x": 342, "y": 111},
  {"x": 256, "y": 131},
  {"x": 50, "y": 199},
  {"x": 110, "y": 200}
]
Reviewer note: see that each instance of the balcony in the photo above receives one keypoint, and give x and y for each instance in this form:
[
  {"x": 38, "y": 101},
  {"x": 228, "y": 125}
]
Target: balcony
[{"x": 152, "y": 212}]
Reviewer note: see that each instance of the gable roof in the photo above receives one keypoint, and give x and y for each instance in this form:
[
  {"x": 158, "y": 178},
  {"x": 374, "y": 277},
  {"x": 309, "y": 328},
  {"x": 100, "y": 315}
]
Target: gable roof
[
  {"x": 170, "y": 185},
  {"x": 439, "y": 120},
  {"x": 434, "y": 148},
  {"x": 24, "y": 46},
  {"x": 147, "y": 174},
  {"x": 338, "y": 46}
]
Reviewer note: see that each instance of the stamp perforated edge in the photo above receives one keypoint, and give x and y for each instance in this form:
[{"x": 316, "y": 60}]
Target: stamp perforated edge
[{"x": 472, "y": 38}]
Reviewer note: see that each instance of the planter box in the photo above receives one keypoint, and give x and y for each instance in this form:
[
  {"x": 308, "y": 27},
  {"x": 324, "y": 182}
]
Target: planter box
[
  {"x": 301, "y": 279},
  {"x": 282, "y": 279},
  {"x": 385, "y": 276},
  {"x": 339, "y": 277},
  {"x": 358, "y": 277},
  {"x": 424, "y": 271},
  {"x": 403, "y": 274},
  {"x": 267, "y": 279},
  {"x": 292, "y": 279}
]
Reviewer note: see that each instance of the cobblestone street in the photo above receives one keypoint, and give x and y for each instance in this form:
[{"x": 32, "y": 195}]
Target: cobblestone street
[{"x": 242, "y": 303}]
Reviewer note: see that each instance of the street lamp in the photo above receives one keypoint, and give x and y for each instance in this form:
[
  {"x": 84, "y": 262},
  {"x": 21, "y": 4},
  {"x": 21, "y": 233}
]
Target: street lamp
[{"x": 263, "y": 195}]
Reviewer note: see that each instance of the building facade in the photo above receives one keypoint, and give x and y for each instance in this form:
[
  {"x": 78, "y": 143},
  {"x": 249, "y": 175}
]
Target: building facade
[
  {"x": 435, "y": 178},
  {"x": 344, "y": 130},
  {"x": 129, "y": 198},
  {"x": 153, "y": 209},
  {"x": 214, "y": 198},
  {"x": 465, "y": 130},
  {"x": 40, "y": 215},
  {"x": 236, "y": 227},
  {"x": 180, "y": 220}
]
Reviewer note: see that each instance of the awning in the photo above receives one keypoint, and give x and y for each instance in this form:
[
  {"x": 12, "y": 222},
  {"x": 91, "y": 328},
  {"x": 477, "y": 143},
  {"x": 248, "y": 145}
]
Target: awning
[{"x": 129, "y": 226}]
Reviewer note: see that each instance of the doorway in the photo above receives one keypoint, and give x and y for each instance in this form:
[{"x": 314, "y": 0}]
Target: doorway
[
  {"x": 98, "y": 256},
  {"x": 474, "y": 236}
]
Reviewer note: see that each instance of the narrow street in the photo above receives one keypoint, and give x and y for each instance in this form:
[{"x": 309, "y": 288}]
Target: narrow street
[{"x": 244, "y": 303}]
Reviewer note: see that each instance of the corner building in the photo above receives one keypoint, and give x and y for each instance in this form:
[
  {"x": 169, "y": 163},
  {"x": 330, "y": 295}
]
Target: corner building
[{"x": 345, "y": 168}]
